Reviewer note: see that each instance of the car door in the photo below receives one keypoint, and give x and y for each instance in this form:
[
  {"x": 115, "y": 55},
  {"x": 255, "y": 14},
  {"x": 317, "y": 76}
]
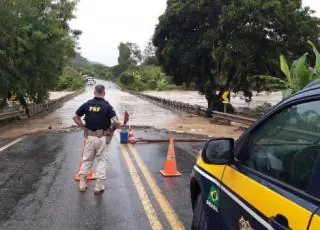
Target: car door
[
  {"x": 314, "y": 190},
  {"x": 270, "y": 184},
  {"x": 315, "y": 222},
  {"x": 209, "y": 177}
]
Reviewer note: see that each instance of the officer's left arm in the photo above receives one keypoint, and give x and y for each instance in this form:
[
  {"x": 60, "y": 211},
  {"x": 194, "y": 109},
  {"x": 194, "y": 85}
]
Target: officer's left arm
[
  {"x": 113, "y": 117},
  {"x": 116, "y": 123}
]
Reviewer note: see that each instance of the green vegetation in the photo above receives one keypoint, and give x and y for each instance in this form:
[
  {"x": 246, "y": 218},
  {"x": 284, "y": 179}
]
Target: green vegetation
[
  {"x": 70, "y": 80},
  {"x": 300, "y": 73},
  {"x": 135, "y": 71},
  {"x": 144, "y": 78},
  {"x": 97, "y": 71},
  {"x": 296, "y": 77},
  {"x": 149, "y": 55},
  {"x": 79, "y": 61},
  {"x": 129, "y": 55},
  {"x": 221, "y": 45},
  {"x": 139, "y": 72},
  {"x": 36, "y": 43}
]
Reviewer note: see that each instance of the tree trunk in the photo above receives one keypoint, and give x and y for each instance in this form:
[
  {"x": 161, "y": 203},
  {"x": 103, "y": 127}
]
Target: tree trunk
[
  {"x": 218, "y": 105},
  {"x": 24, "y": 104},
  {"x": 209, "y": 108},
  {"x": 3, "y": 102}
]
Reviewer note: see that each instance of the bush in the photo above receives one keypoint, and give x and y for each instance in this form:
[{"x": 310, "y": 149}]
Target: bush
[
  {"x": 70, "y": 80},
  {"x": 102, "y": 72},
  {"x": 144, "y": 78},
  {"x": 119, "y": 69}
]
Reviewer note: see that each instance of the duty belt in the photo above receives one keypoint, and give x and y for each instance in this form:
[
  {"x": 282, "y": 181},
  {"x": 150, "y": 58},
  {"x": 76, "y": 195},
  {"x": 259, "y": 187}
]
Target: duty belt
[{"x": 97, "y": 133}]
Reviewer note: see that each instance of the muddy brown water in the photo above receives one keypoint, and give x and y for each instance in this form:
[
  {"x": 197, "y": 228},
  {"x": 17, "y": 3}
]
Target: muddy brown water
[
  {"x": 142, "y": 113},
  {"x": 237, "y": 100}
]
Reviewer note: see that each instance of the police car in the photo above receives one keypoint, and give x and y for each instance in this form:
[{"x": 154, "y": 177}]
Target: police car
[{"x": 269, "y": 178}]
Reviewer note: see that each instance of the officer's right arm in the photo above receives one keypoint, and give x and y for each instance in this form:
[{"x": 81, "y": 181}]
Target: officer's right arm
[{"x": 77, "y": 118}]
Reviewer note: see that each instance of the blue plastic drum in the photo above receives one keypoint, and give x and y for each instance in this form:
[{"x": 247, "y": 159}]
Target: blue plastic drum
[{"x": 124, "y": 136}]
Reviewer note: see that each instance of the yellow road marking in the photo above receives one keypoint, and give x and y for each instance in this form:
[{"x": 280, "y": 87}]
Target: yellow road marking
[
  {"x": 148, "y": 208},
  {"x": 164, "y": 204}
]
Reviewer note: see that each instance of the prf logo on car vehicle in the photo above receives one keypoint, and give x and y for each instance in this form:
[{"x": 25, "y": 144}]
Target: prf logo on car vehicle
[
  {"x": 244, "y": 225},
  {"x": 213, "y": 198}
]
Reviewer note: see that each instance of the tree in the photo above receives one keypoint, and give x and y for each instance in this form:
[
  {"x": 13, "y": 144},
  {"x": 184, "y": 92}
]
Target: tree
[
  {"x": 219, "y": 44},
  {"x": 35, "y": 44},
  {"x": 129, "y": 54},
  {"x": 149, "y": 55}
]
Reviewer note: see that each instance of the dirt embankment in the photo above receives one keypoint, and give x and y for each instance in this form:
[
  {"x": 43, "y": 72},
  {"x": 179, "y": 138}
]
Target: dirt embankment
[{"x": 201, "y": 125}]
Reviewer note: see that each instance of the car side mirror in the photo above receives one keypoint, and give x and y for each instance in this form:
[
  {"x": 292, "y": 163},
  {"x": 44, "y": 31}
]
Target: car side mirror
[{"x": 219, "y": 151}]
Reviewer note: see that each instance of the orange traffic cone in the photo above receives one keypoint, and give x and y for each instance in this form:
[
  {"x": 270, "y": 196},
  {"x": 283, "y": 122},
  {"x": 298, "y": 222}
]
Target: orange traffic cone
[
  {"x": 170, "y": 167},
  {"x": 90, "y": 176},
  {"x": 131, "y": 136},
  {"x": 130, "y": 132}
]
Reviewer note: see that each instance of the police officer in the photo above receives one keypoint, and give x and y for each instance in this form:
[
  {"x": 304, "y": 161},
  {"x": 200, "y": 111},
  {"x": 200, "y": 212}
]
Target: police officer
[{"x": 100, "y": 123}]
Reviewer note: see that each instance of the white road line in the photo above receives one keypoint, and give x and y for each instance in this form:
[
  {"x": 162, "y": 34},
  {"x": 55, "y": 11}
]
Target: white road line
[{"x": 11, "y": 143}]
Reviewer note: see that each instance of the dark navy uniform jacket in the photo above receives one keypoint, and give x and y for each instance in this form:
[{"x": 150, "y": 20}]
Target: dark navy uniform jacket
[{"x": 98, "y": 113}]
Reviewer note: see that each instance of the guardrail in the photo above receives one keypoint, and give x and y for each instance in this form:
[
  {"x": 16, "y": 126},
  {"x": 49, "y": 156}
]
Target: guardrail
[
  {"x": 39, "y": 108},
  {"x": 9, "y": 115},
  {"x": 233, "y": 118},
  {"x": 196, "y": 109}
]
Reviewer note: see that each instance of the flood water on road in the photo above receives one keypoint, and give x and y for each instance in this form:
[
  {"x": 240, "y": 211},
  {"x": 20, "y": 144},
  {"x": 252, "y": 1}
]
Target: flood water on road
[
  {"x": 141, "y": 112},
  {"x": 194, "y": 98}
]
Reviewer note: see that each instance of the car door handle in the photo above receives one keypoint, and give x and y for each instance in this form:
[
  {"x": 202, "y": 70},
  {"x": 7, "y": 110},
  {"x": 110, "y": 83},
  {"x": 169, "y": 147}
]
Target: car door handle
[{"x": 280, "y": 222}]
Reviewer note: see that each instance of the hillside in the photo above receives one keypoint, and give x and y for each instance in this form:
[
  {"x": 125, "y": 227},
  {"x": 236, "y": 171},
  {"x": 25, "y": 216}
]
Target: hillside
[{"x": 80, "y": 60}]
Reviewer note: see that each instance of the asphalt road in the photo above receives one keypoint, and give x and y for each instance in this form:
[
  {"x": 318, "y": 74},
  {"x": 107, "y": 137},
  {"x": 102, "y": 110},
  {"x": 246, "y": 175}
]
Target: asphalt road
[{"x": 37, "y": 189}]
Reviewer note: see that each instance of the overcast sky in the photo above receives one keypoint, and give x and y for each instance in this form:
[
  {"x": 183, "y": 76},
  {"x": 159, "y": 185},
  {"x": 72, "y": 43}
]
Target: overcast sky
[{"x": 105, "y": 23}]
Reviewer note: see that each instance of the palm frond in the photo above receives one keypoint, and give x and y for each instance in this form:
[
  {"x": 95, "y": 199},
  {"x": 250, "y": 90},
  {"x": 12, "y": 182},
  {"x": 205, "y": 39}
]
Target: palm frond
[{"x": 285, "y": 68}]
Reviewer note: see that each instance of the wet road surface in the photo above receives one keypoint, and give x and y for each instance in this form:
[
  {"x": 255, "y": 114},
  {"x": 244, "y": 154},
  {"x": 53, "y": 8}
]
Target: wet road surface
[
  {"x": 37, "y": 189},
  {"x": 142, "y": 113}
]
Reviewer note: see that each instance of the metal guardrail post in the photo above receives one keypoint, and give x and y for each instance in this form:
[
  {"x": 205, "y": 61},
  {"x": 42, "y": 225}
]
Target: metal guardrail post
[{"x": 8, "y": 115}]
